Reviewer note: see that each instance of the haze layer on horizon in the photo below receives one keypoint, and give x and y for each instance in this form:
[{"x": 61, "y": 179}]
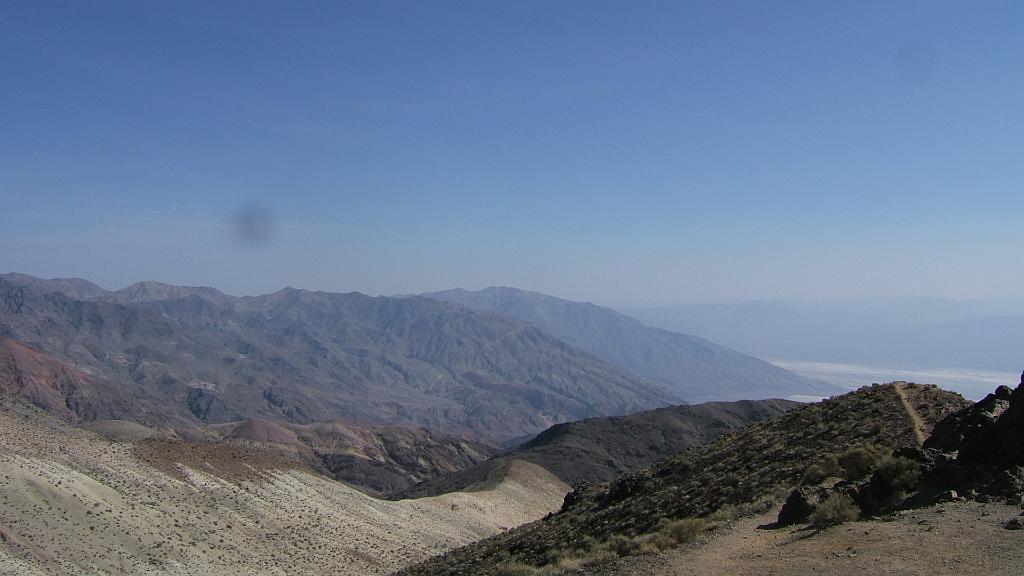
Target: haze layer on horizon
[{"x": 628, "y": 155}]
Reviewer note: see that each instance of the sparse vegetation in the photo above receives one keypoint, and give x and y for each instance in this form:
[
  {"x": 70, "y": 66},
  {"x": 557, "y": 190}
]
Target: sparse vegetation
[
  {"x": 899, "y": 474},
  {"x": 860, "y": 461},
  {"x": 836, "y": 509},
  {"x": 895, "y": 477},
  {"x": 510, "y": 568},
  {"x": 684, "y": 530},
  {"x": 815, "y": 474},
  {"x": 668, "y": 534}
]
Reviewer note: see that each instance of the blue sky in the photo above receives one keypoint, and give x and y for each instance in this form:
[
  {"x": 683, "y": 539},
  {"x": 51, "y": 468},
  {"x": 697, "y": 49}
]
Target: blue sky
[{"x": 626, "y": 153}]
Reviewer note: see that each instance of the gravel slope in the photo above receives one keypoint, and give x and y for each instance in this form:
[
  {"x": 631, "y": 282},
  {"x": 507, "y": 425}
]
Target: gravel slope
[{"x": 72, "y": 502}]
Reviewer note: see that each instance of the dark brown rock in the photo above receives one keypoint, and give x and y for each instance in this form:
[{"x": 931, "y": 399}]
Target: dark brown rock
[{"x": 800, "y": 504}]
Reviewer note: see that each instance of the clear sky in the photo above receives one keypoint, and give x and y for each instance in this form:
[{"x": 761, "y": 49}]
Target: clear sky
[{"x": 628, "y": 153}]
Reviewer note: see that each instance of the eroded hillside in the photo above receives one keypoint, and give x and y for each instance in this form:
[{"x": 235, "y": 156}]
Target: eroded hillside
[{"x": 72, "y": 502}]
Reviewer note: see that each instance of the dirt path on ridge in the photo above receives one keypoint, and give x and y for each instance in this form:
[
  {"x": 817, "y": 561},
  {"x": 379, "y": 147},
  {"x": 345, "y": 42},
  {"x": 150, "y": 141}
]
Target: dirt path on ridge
[{"x": 920, "y": 428}]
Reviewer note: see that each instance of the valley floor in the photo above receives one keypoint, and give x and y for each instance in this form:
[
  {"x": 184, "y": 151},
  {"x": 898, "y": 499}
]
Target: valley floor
[
  {"x": 950, "y": 539},
  {"x": 972, "y": 383}
]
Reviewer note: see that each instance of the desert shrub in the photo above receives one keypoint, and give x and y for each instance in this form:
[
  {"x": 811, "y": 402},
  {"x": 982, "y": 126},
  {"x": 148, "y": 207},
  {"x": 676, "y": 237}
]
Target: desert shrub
[
  {"x": 859, "y": 461},
  {"x": 896, "y": 477},
  {"x": 622, "y": 545},
  {"x": 685, "y": 529},
  {"x": 597, "y": 558},
  {"x": 759, "y": 506},
  {"x": 576, "y": 562},
  {"x": 570, "y": 563},
  {"x": 586, "y": 543},
  {"x": 836, "y": 509},
  {"x": 662, "y": 540},
  {"x": 645, "y": 548},
  {"x": 814, "y": 474},
  {"x": 722, "y": 514},
  {"x": 899, "y": 473},
  {"x": 779, "y": 493},
  {"x": 625, "y": 546},
  {"x": 512, "y": 568}
]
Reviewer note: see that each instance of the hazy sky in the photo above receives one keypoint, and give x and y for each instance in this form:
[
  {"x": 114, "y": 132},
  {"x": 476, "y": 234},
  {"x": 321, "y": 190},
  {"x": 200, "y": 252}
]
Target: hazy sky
[{"x": 627, "y": 153}]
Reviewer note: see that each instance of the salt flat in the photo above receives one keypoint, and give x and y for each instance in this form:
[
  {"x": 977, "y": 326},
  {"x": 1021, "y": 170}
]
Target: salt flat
[{"x": 972, "y": 383}]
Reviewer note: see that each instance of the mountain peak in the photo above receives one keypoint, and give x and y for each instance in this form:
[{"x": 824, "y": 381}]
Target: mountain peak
[
  {"x": 152, "y": 291},
  {"x": 78, "y": 288}
]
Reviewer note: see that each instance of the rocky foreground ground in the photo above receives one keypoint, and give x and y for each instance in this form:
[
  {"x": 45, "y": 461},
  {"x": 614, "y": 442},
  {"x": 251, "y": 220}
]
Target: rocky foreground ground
[{"x": 948, "y": 539}]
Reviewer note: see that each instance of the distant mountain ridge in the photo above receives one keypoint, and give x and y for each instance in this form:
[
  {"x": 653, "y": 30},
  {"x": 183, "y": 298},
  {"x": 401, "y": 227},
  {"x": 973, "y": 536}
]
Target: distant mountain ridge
[
  {"x": 686, "y": 366},
  {"x": 142, "y": 292},
  {"x": 77, "y": 288},
  {"x": 186, "y": 356},
  {"x": 895, "y": 332}
]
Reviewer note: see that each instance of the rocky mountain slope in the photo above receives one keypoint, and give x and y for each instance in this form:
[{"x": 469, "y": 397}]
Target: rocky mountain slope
[
  {"x": 738, "y": 469},
  {"x": 380, "y": 459},
  {"x": 73, "y": 502},
  {"x": 374, "y": 459},
  {"x": 62, "y": 389},
  {"x": 689, "y": 367},
  {"x": 303, "y": 357},
  {"x": 600, "y": 449}
]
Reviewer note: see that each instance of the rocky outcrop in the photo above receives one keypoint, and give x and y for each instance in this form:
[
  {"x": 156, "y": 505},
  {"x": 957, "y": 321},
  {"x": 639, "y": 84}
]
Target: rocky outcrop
[
  {"x": 978, "y": 452},
  {"x": 951, "y": 434},
  {"x": 800, "y": 504},
  {"x": 998, "y": 442}
]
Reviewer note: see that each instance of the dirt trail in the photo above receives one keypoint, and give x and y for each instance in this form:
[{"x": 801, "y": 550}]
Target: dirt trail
[
  {"x": 920, "y": 428},
  {"x": 961, "y": 538}
]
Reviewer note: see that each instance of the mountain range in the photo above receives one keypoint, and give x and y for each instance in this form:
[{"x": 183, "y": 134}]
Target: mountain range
[
  {"x": 176, "y": 356},
  {"x": 688, "y": 367}
]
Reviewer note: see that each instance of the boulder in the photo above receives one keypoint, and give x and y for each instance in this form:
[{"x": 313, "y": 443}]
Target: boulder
[
  {"x": 997, "y": 442},
  {"x": 800, "y": 504},
  {"x": 1007, "y": 485}
]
